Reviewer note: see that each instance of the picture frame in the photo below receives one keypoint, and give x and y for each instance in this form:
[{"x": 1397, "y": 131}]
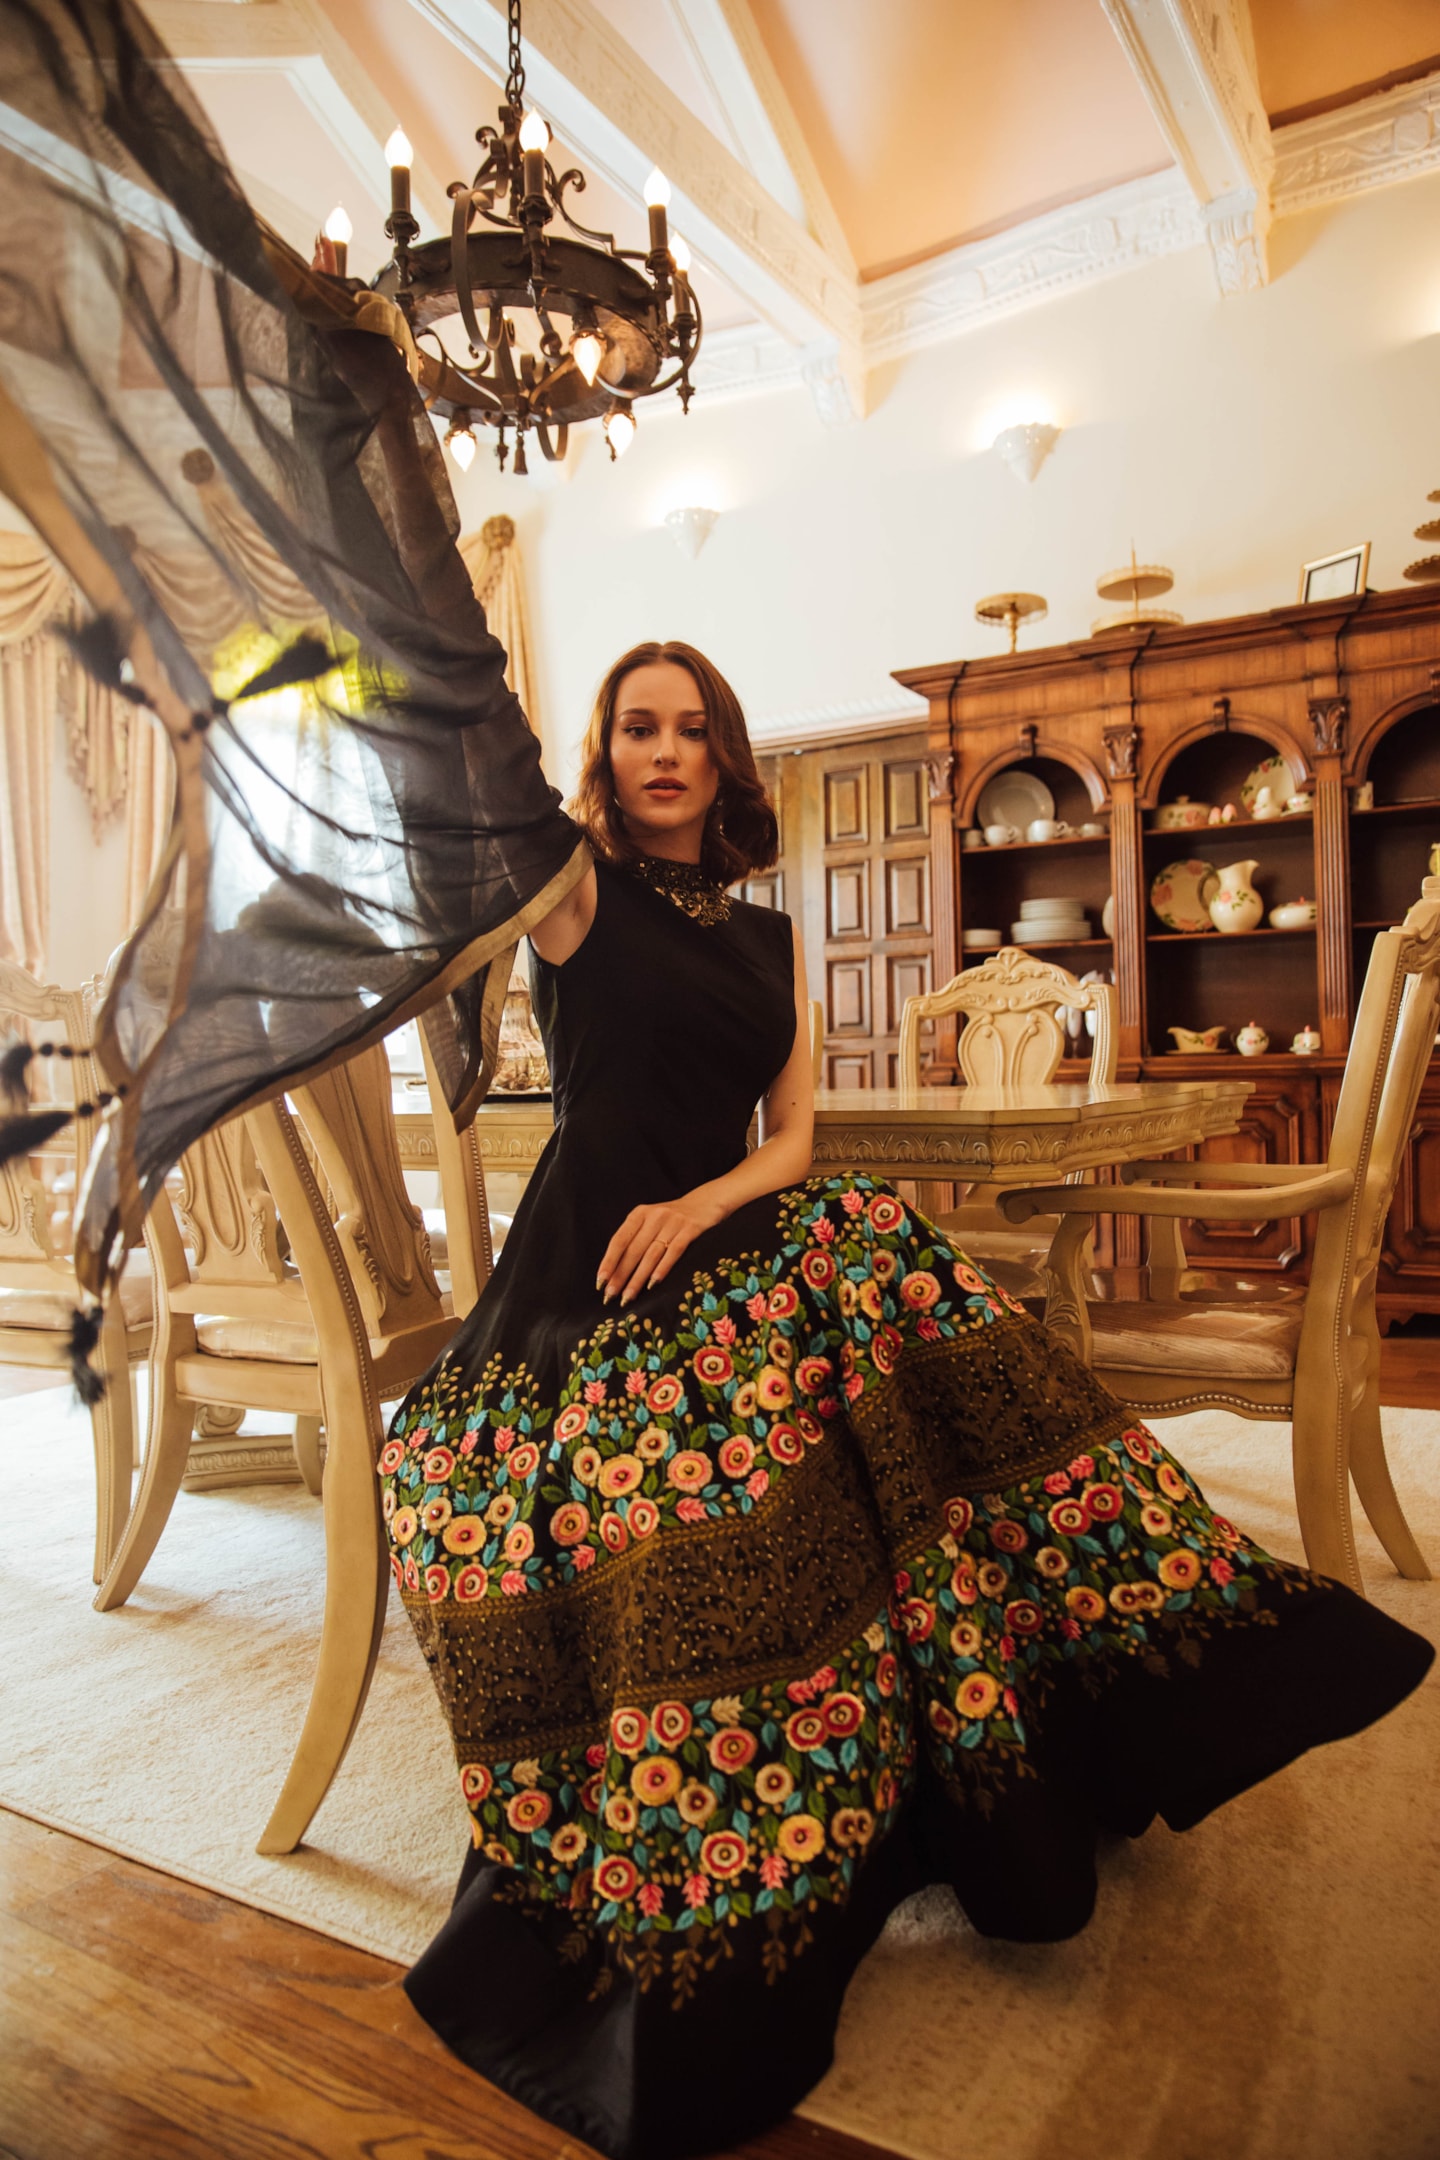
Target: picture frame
[{"x": 1336, "y": 577}]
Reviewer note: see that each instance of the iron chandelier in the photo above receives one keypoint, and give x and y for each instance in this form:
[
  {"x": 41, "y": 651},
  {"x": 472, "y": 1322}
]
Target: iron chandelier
[{"x": 600, "y": 331}]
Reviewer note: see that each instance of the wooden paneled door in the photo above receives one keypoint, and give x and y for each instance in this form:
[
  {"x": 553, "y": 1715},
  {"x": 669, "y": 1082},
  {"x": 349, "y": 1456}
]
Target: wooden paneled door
[{"x": 855, "y": 872}]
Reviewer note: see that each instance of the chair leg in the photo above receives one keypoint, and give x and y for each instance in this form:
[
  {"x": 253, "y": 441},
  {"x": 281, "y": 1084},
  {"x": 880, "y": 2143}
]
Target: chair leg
[
  {"x": 172, "y": 1423},
  {"x": 307, "y": 1452},
  {"x": 357, "y": 1582},
  {"x": 1371, "y": 1472},
  {"x": 112, "y": 1432},
  {"x": 1320, "y": 1447}
]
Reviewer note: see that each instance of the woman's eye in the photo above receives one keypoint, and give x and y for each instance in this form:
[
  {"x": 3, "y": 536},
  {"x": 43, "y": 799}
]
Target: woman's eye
[{"x": 697, "y": 734}]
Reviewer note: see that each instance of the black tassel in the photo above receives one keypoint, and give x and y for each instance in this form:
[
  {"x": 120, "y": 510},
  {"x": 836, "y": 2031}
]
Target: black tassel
[
  {"x": 14, "y": 1066},
  {"x": 84, "y": 1335},
  {"x": 21, "y": 1135},
  {"x": 304, "y": 661},
  {"x": 100, "y": 649}
]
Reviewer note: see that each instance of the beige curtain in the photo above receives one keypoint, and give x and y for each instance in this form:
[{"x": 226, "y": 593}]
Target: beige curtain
[
  {"x": 148, "y": 804},
  {"x": 493, "y": 560},
  {"x": 29, "y": 696}
]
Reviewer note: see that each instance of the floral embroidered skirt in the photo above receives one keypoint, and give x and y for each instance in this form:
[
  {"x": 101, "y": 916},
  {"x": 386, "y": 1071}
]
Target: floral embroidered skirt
[{"x": 824, "y": 1574}]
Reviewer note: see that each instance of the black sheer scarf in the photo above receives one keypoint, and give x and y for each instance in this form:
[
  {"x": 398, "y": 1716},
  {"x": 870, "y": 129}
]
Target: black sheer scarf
[{"x": 229, "y": 455}]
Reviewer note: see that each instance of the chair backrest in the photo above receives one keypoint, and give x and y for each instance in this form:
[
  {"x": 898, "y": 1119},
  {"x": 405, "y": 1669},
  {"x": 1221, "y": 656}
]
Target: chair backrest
[
  {"x": 238, "y": 1226},
  {"x": 349, "y": 1119},
  {"x": 817, "y": 1039},
  {"x": 1390, "y": 1052},
  {"x": 1013, "y": 1036},
  {"x": 32, "y": 1235}
]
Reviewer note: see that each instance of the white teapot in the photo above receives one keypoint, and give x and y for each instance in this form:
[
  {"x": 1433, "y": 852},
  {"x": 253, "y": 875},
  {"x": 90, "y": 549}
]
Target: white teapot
[{"x": 1235, "y": 905}]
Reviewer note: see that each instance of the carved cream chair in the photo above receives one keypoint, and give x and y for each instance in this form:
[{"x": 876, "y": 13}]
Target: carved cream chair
[
  {"x": 354, "y": 1322},
  {"x": 38, "y": 1291},
  {"x": 817, "y": 1039},
  {"x": 1308, "y": 1354},
  {"x": 1013, "y": 1037}
]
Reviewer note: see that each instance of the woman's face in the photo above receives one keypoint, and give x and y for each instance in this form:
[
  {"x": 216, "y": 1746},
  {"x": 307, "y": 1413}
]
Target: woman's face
[{"x": 665, "y": 777}]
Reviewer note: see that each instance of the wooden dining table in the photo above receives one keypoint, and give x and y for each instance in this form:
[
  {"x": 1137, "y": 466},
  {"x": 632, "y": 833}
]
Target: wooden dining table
[{"x": 1007, "y": 1136}]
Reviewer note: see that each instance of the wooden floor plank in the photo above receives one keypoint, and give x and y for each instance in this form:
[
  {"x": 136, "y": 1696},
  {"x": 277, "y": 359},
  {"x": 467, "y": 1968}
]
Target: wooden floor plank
[{"x": 154, "y": 2019}]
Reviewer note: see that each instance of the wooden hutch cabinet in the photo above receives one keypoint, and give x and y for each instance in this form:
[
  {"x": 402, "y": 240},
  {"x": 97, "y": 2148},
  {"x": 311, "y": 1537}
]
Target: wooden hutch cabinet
[{"x": 1346, "y": 692}]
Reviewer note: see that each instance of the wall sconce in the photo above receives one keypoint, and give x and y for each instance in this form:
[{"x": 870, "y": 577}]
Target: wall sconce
[
  {"x": 1026, "y": 448},
  {"x": 691, "y": 528}
]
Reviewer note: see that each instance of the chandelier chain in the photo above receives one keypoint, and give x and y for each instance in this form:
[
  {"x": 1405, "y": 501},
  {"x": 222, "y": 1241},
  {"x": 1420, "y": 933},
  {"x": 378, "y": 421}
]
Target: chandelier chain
[{"x": 515, "y": 80}]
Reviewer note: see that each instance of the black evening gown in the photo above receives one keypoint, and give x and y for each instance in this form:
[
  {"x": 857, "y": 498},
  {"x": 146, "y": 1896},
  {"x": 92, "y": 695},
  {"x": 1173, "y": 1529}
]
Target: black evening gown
[{"x": 819, "y": 1574}]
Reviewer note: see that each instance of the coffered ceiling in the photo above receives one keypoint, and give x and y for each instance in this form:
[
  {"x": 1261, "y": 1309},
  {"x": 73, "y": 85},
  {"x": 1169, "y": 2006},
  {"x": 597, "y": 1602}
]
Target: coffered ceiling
[{"x": 855, "y": 177}]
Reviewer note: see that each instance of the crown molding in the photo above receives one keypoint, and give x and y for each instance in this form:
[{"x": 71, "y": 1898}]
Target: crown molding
[
  {"x": 857, "y": 717},
  {"x": 1382, "y": 140},
  {"x": 1097, "y": 238}
]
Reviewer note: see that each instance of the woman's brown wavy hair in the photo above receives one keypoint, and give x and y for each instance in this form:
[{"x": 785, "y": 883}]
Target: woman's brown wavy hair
[{"x": 741, "y": 832}]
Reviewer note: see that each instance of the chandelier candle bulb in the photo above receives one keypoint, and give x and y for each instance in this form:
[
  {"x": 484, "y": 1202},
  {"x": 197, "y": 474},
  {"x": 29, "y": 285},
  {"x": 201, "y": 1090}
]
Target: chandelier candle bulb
[
  {"x": 587, "y": 353},
  {"x": 399, "y": 157},
  {"x": 657, "y": 196},
  {"x": 534, "y": 141},
  {"x": 339, "y": 232},
  {"x": 619, "y": 431}
]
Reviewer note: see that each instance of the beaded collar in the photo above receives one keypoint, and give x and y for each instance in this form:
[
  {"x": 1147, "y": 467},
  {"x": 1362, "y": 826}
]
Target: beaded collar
[{"x": 686, "y": 884}]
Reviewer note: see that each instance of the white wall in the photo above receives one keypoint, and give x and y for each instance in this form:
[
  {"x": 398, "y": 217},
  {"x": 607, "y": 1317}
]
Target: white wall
[{"x": 1229, "y": 439}]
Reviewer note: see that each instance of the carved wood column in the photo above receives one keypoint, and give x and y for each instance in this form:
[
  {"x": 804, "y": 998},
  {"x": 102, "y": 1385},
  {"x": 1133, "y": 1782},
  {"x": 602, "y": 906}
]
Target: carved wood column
[
  {"x": 945, "y": 889},
  {"x": 1329, "y": 720},
  {"x": 1127, "y": 871}
]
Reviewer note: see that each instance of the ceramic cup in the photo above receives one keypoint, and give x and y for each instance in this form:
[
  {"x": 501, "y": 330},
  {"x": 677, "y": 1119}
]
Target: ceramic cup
[
  {"x": 1364, "y": 796},
  {"x": 1302, "y": 800},
  {"x": 1046, "y": 828},
  {"x": 1000, "y": 835},
  {"x": 973, "y": 837}
]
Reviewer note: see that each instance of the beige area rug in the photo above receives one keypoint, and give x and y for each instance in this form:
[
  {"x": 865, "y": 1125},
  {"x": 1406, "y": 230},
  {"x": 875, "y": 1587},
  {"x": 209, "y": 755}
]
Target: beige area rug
[{"x": 1266, "y": 1987}]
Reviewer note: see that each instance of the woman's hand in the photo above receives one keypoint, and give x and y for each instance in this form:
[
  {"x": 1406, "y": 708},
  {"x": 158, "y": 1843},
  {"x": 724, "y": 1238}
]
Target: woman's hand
[{"x": 650, "y": 1241}]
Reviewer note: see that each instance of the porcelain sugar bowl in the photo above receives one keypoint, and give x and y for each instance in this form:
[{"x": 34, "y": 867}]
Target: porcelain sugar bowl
[
  {"x": 1252, "y": 1040},
  {"x": 1307, "y": 1043},
  {"x": 1235, "y": 905},
  {"x": 1182, "y": 815}
]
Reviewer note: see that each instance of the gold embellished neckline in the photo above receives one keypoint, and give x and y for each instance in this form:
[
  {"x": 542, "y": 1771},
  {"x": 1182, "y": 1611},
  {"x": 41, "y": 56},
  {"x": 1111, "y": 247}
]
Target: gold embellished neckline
[{"x": 686, "y": 885}]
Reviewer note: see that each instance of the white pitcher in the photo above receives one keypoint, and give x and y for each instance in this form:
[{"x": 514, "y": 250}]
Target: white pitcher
[{"x": 1235, "y": 904}]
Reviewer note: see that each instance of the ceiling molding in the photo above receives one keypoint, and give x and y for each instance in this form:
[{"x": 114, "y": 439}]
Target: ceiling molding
[
  {"x": 974, "y": 284},
  {"x": 621, "y": 118},
  {"x": 1194, "y": 60},
  {"x": 1384, "y": 139},
  {"x": 732, "y": 59}
]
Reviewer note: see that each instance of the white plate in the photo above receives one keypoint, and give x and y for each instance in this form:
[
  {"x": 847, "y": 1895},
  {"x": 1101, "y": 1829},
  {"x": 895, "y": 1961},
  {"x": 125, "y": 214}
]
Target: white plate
[
  {"x": 1067, "y": 932},
  {"x": 1015, "y": 798},
  {"x": 981, "y": 940},
  {"x": 1274, "y": 774},
  {"x": 1056, "y": 904},
  {"x": 1181, "y": 894}
]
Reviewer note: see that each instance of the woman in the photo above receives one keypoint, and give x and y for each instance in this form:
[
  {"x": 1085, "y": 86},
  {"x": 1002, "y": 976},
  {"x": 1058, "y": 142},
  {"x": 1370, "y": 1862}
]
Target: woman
[{"x": 770, "y": 1561}]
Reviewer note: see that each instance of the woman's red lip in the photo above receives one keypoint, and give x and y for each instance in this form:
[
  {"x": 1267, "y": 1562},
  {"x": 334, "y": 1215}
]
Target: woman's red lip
[{"x": 665, "y": 787}]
